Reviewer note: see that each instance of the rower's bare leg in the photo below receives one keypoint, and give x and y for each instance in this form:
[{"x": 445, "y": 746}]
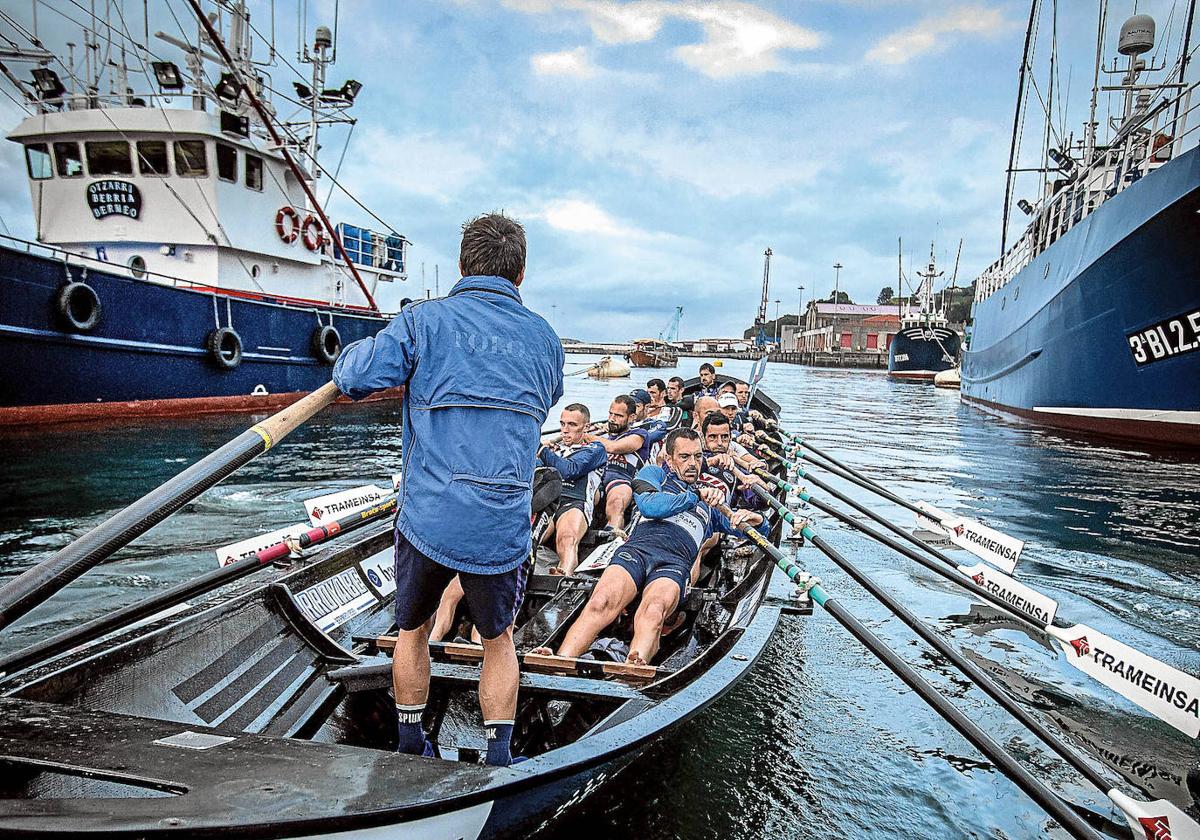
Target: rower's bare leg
[
  {"x": 410, "y": 665},
  {"x": 444, "y": 617},
  {"x": 613, "y": 593},
  {"x": 617, "y": 501},
  {"x": 571, "y": 527},
  {"x": 499, "y": 678},
  {"x": 550, "y": 529},
  {"x": 658, "y": 602}
]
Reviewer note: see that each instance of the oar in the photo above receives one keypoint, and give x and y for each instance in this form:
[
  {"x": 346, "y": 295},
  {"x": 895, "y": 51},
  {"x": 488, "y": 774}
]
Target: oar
[
  {"x": 1135, "y": 811},
  {"x": 999, "y": 549},
  {"x": 1166, "y": 692},
  {"x": 1011, "y": 768},
  {"x": 30, "y": 588},
  {"x": 189, "y": 589}
]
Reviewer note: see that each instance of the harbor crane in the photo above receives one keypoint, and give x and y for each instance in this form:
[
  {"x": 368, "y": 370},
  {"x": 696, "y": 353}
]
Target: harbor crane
[
  {"x": 671, "y": 331},
  {"x": 760, "y": 323}
]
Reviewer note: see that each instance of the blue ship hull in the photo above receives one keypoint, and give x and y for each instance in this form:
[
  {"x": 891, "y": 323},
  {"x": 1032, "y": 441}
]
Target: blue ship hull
[
  {"x": 147, "y": 353},
  {"x": 1101, "y": 331},
  {"x": 922, "y": 353}
]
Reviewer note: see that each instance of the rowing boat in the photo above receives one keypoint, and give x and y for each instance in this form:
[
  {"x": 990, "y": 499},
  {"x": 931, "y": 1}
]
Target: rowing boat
[{"x": 265, "y": 710}]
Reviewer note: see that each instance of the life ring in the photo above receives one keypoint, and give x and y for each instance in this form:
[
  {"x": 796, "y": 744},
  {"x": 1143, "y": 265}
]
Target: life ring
[
  {"x": 312, "y": 234},
  {"x": 225, "y": 348},
  {"x": 79, "y": 305},
  {"x": 326, "y": 344},
  {"x": 289, "y": 231}
]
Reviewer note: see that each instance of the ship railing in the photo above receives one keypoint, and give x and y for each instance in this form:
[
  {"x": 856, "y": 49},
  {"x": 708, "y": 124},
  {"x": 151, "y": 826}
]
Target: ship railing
[
  {"x": 1163, "y": 133},
  {"x": 73, "y": 258}
]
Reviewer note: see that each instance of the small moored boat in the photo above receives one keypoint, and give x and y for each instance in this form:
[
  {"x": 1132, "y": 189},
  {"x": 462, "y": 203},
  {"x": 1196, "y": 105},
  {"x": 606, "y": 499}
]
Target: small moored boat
[{"x": 652, "y": 353}]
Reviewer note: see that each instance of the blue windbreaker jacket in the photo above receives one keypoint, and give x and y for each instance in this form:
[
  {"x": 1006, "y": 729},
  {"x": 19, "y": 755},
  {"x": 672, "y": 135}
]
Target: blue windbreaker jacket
[{"x": 482, "y": 374}]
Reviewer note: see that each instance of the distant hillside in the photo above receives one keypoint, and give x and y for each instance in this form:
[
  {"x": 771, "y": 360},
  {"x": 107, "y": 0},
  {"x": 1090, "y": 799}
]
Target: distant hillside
[{"x": 751, "y": 331}]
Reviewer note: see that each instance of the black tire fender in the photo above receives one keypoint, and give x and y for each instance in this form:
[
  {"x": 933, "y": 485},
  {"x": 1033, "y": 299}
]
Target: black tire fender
[
  {"x": 79, "y": 305},
  {"x": 326, "y": 343},
  {"x": 224, "y": 347}
]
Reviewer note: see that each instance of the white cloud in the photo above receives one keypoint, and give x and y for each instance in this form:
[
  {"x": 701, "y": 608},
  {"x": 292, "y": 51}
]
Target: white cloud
[
  {"x": 576, "y": 215},
  {"x": 933, "y": 33},
  {"x": 575, "y": 63},
  {"x": 419, "y": 164},
  {"x": 739, "y": 38}
]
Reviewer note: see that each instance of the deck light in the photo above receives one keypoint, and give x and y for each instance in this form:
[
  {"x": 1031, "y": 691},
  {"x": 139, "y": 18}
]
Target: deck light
[
  {"x": 228, "y": 88},
  {"x": 302, "y": 90},
  {"x": 350, "y": 89},
  {"x": 47, "y": 83},
  {"x": 167, "y": 74},
  {"x": 1026, "y": 207}
]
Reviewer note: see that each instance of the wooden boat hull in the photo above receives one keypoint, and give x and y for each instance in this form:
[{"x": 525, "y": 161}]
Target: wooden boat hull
[
  {"x": 266, "y": 713},
  {"x": 652, "y": 359}
]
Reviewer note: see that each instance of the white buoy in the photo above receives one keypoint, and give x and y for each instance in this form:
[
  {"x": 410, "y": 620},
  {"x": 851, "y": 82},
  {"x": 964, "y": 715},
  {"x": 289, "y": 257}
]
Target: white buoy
[
  {"x": 947, "y": 379},
  {"x": 609, "y": 368}
]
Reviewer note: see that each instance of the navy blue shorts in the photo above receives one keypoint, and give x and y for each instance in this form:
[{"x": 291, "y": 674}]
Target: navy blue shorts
[
  {"x": 644, "y": 568},
  {"x": 616, "y": 477},
  {"x": 492, "y": 600},
  {"x": 573, "y": 504}
]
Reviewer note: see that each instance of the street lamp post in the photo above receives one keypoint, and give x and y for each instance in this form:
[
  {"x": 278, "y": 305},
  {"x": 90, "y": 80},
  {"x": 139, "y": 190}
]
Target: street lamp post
[
  {"x": 837, "y": 281},
  {"x": 553, "y": 316},
  {"x": 777, "y": 323},
  {"x": 799, "y": 315}
]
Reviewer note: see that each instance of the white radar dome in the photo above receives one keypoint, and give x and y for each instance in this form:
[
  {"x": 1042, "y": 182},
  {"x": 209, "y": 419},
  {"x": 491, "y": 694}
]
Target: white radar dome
[
  {"x": 324, "y": 37},
  {"x": 1137, "y": 35}
]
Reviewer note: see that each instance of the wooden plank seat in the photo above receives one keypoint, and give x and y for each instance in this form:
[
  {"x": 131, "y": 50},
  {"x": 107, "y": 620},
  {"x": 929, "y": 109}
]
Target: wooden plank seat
[
  {"x": 375, "y": 672},
  {"x": 548, "y": 664}
]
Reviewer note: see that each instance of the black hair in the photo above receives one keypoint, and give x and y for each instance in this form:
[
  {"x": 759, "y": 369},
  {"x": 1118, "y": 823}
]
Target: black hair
[
  {"x": 676, "y": 435},
  {"x": 676, "y": 379},
  {"x": 657, "y": 383},
  {"x": 492, "y": 245},
  {"x": 629, "y": 402},
  {"x": 714, "y": 418},
  {"x": 582, "y": 409},
  {"x": 727, "y": 385},
  {"x": 707, "y": 367}
]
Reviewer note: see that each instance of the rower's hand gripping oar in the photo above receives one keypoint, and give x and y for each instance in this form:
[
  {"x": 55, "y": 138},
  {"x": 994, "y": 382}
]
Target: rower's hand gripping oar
[
  {"x": 1011, "y": 768},
  {"x": 1140, "y": 815},
  {"x": 30, "y": 588},
  {"x": 1166, "y": 692}
]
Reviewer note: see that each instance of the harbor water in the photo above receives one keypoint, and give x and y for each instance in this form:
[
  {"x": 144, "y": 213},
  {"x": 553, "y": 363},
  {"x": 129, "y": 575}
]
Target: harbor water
[{"x": 820, "y": 740}]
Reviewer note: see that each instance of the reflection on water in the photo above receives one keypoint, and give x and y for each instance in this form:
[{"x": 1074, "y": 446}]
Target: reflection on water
[{"x": 820, "y": 740}]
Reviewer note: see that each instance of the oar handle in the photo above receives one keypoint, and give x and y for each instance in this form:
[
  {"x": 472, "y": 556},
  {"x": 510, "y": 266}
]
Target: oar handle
[{"x": 35, "y": 585}]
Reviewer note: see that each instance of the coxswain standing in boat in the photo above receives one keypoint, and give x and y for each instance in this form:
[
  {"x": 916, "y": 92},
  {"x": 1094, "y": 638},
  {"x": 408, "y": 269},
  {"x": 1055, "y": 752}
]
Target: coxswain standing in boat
[
  {"x": 482, "y": 372},
  {"x": 581, "y": 465},
  {"x": 662, "y": 553},
  {"x": 708, "y": 381}
]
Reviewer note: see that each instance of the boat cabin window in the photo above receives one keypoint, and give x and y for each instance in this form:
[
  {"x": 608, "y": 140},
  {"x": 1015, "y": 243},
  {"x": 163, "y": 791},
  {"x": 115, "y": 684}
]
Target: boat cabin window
[
  {"x": 108, "y": 157},
  {"x": 37, "y": 155},
  {"x": 67, "y": 160},
  {"x": 152, "y": 157},
  {"x": 190, "y": 159},
  {"x": 226, "y": 162},
  {"x": 254, "y": 172}
]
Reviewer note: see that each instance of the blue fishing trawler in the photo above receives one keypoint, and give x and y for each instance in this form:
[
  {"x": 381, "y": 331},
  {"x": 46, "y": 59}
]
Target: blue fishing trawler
[
  {"x": 1091, "y": 320},
  {"x": 925, "y": 344},
  {"x": 181, "y": 263}
]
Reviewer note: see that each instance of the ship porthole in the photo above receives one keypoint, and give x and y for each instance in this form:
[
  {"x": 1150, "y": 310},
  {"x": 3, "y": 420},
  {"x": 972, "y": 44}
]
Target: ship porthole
[
  {"x": 225, "y": 348},
  {"x": 79, "y": 306},
  {"x": 326, "y": 344},
  {"x": 137, "y": 267}
]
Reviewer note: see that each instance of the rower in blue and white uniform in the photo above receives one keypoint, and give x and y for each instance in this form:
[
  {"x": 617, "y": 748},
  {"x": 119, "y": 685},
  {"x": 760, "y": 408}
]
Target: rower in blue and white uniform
[
  {"x": 661, "y": 553},
  {"x": 628, "y": 444},
  {"x": 581, "y": 465}
]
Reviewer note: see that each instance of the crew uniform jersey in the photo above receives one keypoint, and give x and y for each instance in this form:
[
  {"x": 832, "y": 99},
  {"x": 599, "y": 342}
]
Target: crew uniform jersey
[
  {"x": 721, "y": 478},
  {"x": 621, "y": 469},
  {"x": 675, "y": 523},
  {"x": 580, "y": 467}
]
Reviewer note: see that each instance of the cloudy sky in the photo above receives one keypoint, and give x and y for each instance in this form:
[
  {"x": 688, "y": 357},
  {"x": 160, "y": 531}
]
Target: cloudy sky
[{"x": 655, "y": 149}]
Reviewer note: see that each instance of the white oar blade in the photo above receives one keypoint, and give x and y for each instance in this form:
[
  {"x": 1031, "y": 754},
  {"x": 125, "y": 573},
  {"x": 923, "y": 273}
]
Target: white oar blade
[
  {"x": 1167, "y": 693},
  {"x": 1001, "y": 550},
  {"x": 325, "y": 509},
  {"x": 226, "y": 554},
  {"x": 1017, "y": 595},
  {"x": 1157, "y": 820}
]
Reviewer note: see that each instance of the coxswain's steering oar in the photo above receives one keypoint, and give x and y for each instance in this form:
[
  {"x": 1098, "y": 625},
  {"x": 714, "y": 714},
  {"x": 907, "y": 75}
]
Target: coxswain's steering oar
[
  {"x": 206, "y": 582},
  {"x": 1159, "y": 812},
  {"x": 31, "y": 587},
  {"x": 1166, "y": 692},
  {"x": 999, "y": 549},
  {"x": 1008, "y": 765}
]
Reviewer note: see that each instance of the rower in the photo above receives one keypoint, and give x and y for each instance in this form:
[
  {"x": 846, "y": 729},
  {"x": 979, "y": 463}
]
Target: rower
[
  {"x": 728, "y": 404},
  {"x": 628, "y": 447},
  {"x": 657, "y": 389},
  {"x": 708, "y": 381},
  {"x": 642, "y": 397},
  {"x": 581, "y": 465},
  {"x": 658, "y": 559},
  {"x": 707, "y": 406},
  {"x": 677, "y": 399}
]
